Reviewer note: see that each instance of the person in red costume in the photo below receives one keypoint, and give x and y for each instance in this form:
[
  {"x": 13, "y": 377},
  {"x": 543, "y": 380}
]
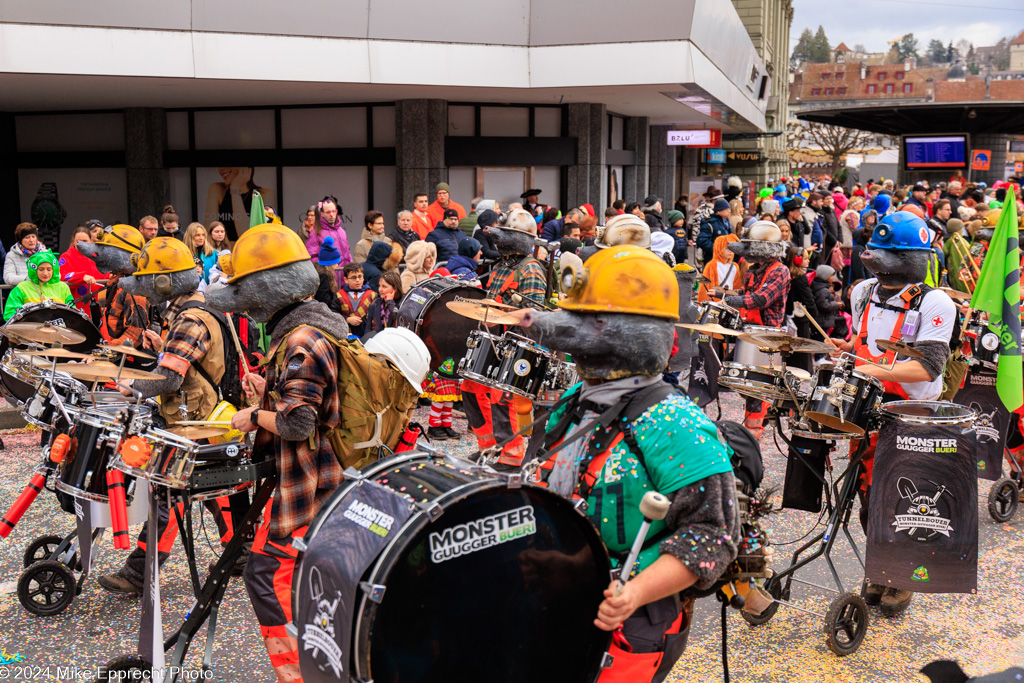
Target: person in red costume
[{"x": 80, "y": 272}]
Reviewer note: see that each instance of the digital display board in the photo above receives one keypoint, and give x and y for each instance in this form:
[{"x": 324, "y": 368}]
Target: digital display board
[{"x": 945, "y": 151}]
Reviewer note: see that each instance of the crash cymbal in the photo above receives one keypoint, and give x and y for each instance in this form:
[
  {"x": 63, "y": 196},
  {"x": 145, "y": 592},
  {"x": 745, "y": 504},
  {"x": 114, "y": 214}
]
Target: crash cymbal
[
  {"x": 496, "y": 304},
  {"x": 102, "y": 371},
  {"x": 785, "y": 343},
  {"x": 125, "y": 350},
  {"x": 56, "y": 353},
  {"x": 197, "y": 433},
  {"x": 483, "y": 313},
  {"x": 899, "y": 347},
  {"x": 42, "y": 333},
  {"x": 703, "y": 280},
  {"x": 956, "y": 294},
  {"x": 710, "y": 328}
]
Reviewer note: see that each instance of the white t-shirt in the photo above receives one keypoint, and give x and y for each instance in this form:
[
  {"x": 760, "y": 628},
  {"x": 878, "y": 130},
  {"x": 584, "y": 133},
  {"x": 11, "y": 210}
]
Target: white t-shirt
[{"x": 934, "y": 324}]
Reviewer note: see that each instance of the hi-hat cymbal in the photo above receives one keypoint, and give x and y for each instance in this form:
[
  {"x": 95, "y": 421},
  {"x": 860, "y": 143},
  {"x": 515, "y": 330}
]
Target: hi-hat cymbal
[
  {"x": 899, "y": 347},
  {"x": 56, "y": 353},
  {"x": 125, "y": 350},
  {"x": 475, "y": 311},
  {"x": 197, "y": 433},
  {"x": 703, "y": 280},
  {"x": 42, "y": 333},
  {"x": 102, "y": 371},
  {"x": 956, "y": 294},
  {"x": 785, "y": 343},
  {"x": 710, "y": 328}
]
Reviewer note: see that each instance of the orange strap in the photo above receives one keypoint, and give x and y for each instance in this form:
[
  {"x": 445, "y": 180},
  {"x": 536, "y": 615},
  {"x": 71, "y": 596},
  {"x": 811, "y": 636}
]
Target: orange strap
[{"x": 860, "y": 344}]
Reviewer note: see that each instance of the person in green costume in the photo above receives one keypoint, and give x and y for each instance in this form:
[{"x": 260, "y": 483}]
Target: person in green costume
[{"x": 43, "y": 284}]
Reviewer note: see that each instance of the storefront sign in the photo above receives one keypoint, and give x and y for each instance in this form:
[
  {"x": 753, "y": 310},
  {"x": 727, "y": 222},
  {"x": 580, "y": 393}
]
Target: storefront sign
[
  {"x": 716, "y": 156},
  {"x": 695, "y": 138}
]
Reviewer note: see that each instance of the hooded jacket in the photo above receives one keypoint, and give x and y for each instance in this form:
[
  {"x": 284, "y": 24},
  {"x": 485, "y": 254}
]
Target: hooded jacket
[
  {"x": 415, "y": 270},
  {"x": 367, "y": 240},
  {"x": 711, "y": 269},
  {"x": 74, "y": 266},
  {"x": 447, "y": 240},
  {"x": 31, "y": 291},
  {"x": 16, "y": 263},
  {"x": 337, "y": 231},
  {"x": 373, "y": 267}
]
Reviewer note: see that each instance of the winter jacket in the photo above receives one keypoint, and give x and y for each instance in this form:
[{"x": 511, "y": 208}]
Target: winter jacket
[
  {"x": 356, "y": 303},
  {"x": 436, "y": 212},
  {"x": 16, "y": 264},
  {"x": 460, "y": 266},
  {"x": 208, "y": 263},
  {"x": 74, "y": 266},
  {"x": 711, "y": 228},
  {"x": 325, "y": 295},
  {"x": 447, "y": 241},
  {"x": 552, "y": 230},
  {"x": 830, "y": 232},
  {"x": 491, "y": 252},
  {"x": 823, "y": 301},
  {"x": 415, "y": 269},
  {"x": 373, "y": 268},
  {"x": 314, "y": 242},
  {"x": 382, "y": 314},
  {"x": 655, "y": 221},
  {"x": 30, "y": 291},
  {"x": 366, "y": 240},
  {"x": 403, "y": 237}
]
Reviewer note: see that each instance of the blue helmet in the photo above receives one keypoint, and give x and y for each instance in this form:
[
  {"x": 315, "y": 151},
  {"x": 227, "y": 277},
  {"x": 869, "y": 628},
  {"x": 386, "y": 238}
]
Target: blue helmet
[{"x": 901, "y": 230}]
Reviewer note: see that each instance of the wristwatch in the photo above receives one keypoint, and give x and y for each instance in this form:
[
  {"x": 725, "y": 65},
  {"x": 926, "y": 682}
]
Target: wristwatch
[{"x": 254, "y": 416}]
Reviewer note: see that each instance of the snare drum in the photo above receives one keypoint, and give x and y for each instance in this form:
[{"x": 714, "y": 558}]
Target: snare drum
[
  {"x": 713, "y": 312},
  {"x": 158, "y": 456},
  {"x": 767, "y": 384},
  {"x": 41, "y": 409},
  {"x": 844, "y": 400},
  {"x": 379, "y": 592},
  {"x": 524, "y": 366},
  {"x": 83, "y": 472},
  {"x": 928, "y": 413},
  {"x": 444, "y": 332},
  {"x": 483, "y": 358}
]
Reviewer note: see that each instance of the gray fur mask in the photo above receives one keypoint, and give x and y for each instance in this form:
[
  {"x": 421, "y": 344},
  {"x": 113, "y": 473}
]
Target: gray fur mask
[
  {"x": 108, "y": 259},
  {"x": 265, "y": 292},
  {"x": 183, "y": 282},
  {"x": 509, "y": 242},
  {"x": 757, "y": 251},
  {"x": 896, "y": 267},
  {"x": 605, "y": 345}
]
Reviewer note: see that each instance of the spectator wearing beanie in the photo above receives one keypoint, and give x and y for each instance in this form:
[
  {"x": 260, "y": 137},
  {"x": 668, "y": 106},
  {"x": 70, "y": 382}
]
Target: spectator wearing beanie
[
  {"x": 442, "y": 204},
  {"x": 485, "y": 219},
  {"x": 714, "y": 226},
  {"x": 676, "y": 227},
  {"x": 464, "y": 264},
  {"x": 328, "y": 260},
  {"x": 824, "y": 300}
]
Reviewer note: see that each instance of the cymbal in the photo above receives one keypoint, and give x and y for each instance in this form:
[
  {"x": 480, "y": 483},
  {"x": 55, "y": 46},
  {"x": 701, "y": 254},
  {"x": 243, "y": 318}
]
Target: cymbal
[
  {"x": 786, "y": 343},
  {"x": 483, "y": 313},
  {"x": 899, "y": 347},
  {"x": 102, "y": 371},
  {"x": 956, "y": 294},
  {"x": 703, "y": 280},
  {"x": 126, "y": 350},
  {"x": 42, "y": 333},
  {"x": 56, "y": 353},
  {"x": 197, "y": 433},
  {"x": 496, "y": 304},
  {"x": 710, "y": 328}
]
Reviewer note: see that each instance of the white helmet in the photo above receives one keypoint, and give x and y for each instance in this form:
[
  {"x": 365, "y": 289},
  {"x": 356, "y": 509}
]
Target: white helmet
[{"x": 403, "y": 348}]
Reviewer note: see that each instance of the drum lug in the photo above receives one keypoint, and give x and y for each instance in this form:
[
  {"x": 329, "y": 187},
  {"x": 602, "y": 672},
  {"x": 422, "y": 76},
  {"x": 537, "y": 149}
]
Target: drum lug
[
  {"x": 607, "y": 661},
  {"x": 353, "y": 473},
  {"x": 374, "y": 591},
  {"x": 292, "y": 630},
  {"x": 513, "y": 481},
  {"x": 299, "y": 544},
  {"x": 580, "y": 506},
  {"x": 433, "y": 510}
]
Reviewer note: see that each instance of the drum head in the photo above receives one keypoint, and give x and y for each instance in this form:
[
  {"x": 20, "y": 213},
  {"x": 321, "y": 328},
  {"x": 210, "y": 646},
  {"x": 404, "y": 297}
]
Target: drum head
[
  {"x": 520, "y": 609},
  {"x": 444, "y": 332},
  {"x": 833, "y": 422},
  {"x": 928, "y": 411}
]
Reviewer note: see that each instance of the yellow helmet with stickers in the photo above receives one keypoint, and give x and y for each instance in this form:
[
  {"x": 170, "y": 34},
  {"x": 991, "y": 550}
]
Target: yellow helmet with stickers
[{"x": 622, "y": 279}]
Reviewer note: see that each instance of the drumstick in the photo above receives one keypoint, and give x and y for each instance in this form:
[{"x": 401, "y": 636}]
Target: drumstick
[
  {"x": 245, "y": 361},
  {"x": 817, "y": 327}
]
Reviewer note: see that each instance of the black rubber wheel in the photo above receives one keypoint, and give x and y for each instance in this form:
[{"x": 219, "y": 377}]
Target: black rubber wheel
[
  {"x": 46, "y": 588},
  {"x": 41, "y": 549},
  {"x": 129, "y": 664},
  {"x": 1003, "y": 498},
  {"x": 846, "y": 624},
  {"x": 775, "y": 590}
]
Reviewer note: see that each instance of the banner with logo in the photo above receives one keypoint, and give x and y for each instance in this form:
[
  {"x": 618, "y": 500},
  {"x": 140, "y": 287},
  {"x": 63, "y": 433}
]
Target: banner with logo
[
  {"x": 922, "y": 530},
  {"x": 992, "y": 424},
  {"x": 326, "y": 583}
]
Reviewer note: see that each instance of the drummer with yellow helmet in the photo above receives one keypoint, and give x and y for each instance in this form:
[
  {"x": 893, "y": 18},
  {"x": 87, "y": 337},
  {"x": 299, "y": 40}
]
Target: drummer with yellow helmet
[
  {"x": 126, "y": 316},
  {"x": 192, "y": 361}
]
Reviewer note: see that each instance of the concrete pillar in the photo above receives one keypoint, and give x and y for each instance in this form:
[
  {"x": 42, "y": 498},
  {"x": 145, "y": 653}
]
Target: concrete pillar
[
  {"x": 149, "y": 183},
  {"x": 662, "y": 166},
  {"x": 420, "y": 129},
  {"x": 637, "y": 140},
  {"x": 588, "y": 123},
  {"x": 10, "y": 203}
]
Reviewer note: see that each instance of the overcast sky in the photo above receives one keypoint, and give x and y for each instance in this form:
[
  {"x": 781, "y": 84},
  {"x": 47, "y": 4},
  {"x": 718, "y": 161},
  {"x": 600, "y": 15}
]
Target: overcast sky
[{"x": 874, "y": 23}]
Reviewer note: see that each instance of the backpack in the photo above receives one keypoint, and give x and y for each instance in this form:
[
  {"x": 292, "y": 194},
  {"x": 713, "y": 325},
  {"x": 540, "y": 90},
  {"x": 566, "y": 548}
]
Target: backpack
[
  {"x": 230, "y": 387},
  {"x": 747, "y": 464},
  {"x": 376, "y": 402}
]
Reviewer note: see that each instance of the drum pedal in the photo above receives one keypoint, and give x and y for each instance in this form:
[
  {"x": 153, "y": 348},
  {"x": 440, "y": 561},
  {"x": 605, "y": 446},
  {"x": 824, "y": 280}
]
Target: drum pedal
[{"x": 374, "y": 591}]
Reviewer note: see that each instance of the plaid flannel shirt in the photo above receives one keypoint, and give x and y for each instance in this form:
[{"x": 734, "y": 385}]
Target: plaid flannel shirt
[
  {"x": 307, "y": 471},
  {"x": 765, "y": 289},
  {"x": 528, "y": 272},
  {"x": 127, "y": 317},
  {"x": 187, "y": 340}
]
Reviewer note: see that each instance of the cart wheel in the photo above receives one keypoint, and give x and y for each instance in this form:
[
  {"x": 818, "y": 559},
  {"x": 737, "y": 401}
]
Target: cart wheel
[
  {"x": 41, "y": 549},
  {"x": 1002, "y": 499},
  {"x": 846, "y": 624},
  {"x": 775, "y": 590},
  {"x": 46, "y": 588},
  {"x": 133, "y": 665}
]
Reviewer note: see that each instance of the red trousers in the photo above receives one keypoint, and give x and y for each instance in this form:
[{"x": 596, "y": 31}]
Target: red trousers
[{"x": 495, "y": 416}]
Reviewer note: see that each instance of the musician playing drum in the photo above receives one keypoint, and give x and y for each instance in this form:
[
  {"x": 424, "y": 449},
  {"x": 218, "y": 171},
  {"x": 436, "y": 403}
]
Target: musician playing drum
[{"x": 896, "y": 306}]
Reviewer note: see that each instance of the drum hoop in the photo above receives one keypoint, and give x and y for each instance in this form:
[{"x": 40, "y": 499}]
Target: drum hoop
[
  {"x": 79, "y": 493},
  {"x": 526, "y": 343},
  {"x": 763, "y": 369},
  {"x": 967, "y": 418},
  {"x": 827, "y": 436},
  {"x": 868, "y": 378}
]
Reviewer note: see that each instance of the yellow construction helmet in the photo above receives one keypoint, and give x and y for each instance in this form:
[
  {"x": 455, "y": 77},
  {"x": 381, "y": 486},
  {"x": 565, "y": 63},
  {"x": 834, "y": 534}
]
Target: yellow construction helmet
[
  {"x": 264, "y": 247},
  {"x": 163, "y": 255},
  {"x": 123, "y": 237},
  {"x": 622, "y": 279}
]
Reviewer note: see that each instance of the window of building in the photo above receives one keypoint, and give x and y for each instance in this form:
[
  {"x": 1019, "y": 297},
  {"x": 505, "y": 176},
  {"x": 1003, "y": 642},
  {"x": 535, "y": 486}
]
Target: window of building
[
  {"x": 841, "y": 91},
  {"x": 828, "y": 91},
  {"x": 899, "y": 75},
  {"x": 908, "y": 87},
  {"x": 825, "y": 76},
  {"x": 840, "y": 75},
  {"x": 815, "y": 92},
  {"x": 889, "y": 88},
  {"x": 881, "y": 75},
  {"x": 872, "y": 89}
]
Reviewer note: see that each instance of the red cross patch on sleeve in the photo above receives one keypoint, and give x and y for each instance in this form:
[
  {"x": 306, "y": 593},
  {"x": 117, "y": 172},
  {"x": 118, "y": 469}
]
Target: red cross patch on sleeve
[{"x": 937, "y": 321}]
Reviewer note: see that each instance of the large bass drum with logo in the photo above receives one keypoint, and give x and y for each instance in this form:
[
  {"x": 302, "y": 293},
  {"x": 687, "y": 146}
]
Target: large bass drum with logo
[
  {"x": 17, "y": 381},
  {"x": 423, "y": 311},
  {"x": 435, "y": 570}
]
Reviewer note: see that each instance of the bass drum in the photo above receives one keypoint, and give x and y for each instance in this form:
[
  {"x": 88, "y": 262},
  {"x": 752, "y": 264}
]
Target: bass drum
[
  {"x": 439, "y": 571},
  {"x": 445, "y": 332},
  {"x": 14, "y": 384}
]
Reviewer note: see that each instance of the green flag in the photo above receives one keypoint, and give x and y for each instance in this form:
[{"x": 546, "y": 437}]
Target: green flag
[
  {"x": 998, "y": 293},
  {"x": 257, "y": 214}
]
